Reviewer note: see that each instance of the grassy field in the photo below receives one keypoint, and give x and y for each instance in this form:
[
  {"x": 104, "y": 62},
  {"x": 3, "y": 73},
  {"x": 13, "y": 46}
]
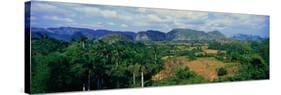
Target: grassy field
[{"x": 204, "y": 66}]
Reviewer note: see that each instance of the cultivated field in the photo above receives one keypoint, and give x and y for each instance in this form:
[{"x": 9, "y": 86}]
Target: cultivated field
[{"x": 205, "y": 67}]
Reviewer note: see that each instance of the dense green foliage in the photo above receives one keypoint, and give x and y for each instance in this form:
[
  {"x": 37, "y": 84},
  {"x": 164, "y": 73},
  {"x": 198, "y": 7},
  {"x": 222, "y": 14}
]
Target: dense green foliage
[
  {"x": 85, "y": 64},
  {"x": 253, "y": 56},
  {"x": 182, "y": 76},
  {"x": 221, "y": 71},
  {"x": 91, "y": 64}
]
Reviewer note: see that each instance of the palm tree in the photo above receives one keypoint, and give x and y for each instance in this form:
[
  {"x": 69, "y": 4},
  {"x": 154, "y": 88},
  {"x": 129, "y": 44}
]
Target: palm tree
[{"x": 134, "y": 69}]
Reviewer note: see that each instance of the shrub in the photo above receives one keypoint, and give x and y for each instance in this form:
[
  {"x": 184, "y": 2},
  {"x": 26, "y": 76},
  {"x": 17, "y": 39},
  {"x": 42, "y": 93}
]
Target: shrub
[
  {"x": 221, "y": 71},
  {"x": 184, "y": 73}
]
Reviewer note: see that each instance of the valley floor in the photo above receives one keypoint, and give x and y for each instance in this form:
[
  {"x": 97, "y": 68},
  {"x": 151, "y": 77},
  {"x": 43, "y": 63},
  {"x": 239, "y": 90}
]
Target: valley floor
[{"x": 203, "y": 66}]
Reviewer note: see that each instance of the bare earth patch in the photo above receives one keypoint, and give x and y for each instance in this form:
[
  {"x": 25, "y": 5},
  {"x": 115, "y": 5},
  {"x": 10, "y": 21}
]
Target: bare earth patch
[
  {"x": 170, "y": 63},
  {"x": 211, "y": 51},
  {"x": 205, "y": 67}
]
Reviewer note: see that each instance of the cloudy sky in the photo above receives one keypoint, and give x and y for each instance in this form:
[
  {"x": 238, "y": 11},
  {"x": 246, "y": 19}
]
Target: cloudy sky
[{"x": 53, "y": 14}]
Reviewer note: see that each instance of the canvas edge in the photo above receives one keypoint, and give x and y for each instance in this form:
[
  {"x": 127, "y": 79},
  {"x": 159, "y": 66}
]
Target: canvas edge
[
  {"x": 27, "y": 61},
  {"x": 27, "y": 43}
]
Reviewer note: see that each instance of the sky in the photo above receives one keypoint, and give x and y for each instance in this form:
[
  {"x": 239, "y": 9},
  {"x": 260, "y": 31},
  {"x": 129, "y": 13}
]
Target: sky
[{"x": 56, "y": 14}]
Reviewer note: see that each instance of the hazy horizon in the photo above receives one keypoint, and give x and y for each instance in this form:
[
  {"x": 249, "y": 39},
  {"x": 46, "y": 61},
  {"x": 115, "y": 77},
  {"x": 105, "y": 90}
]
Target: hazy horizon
[{"x": 135, "y": 19}]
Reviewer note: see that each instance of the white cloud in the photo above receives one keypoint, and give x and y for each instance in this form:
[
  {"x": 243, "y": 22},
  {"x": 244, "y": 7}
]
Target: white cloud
[
  {"x": 172, "y": 14},
  {"x": 97, "y": 25},
  {"x": 42, "y": 6},
  {"x": 153, "y": 18},
  {"x": 175, "y": 18},
  {"x": 106, "y": 13},
  {"x": 111, "y": 23},
  {"x": 47, "y": 7},
  {"x": 97, "y": 11},
  {"x": 141, "y": 10},
  {"x": 236, "y": 20},
  {"x": 56, "y": 18},
  {"x": 146, "y": 18},
  {"x": 124, "y": 25},
  {"x": 143, "y": 16}
]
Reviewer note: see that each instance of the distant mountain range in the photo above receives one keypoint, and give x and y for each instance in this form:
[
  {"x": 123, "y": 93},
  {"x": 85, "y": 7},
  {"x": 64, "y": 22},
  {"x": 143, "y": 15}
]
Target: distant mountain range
[
  {"x": 69, "y": 33},
  {"x": 189, "y": 34},
  {"x": 247, "y": 37},
  {"x": 150, "y": 35},
  {"x": 178, "y": 34}
]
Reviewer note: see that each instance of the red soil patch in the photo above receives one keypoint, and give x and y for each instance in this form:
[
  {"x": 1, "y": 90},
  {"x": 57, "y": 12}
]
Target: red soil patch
[
  {"x": 205, "y": 67},
  {"x": 211, "y": 51}
]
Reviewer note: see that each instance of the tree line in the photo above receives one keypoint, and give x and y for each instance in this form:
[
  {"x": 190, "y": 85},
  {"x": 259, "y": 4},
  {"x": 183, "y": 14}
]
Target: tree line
[{"x": 91, "y": 64}]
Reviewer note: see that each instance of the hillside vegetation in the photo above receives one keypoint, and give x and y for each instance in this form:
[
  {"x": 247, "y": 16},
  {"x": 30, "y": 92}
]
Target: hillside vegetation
[{"x": 115, "y": 60}]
